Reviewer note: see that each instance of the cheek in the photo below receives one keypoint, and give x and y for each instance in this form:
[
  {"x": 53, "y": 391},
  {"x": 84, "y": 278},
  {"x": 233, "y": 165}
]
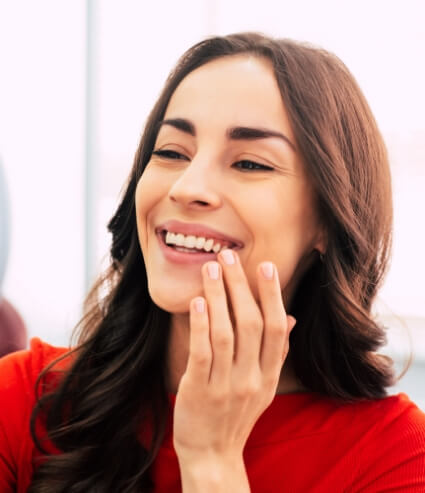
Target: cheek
[
  {"x": 283, "y": 227},
  {"x": 278, "y": 219},
  {"x": 146, "y": 196},
  {"x": 142, "y": 195}
]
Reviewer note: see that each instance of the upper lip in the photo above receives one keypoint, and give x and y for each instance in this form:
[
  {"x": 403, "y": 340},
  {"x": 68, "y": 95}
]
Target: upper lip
[{"x": 196, "y": 230}]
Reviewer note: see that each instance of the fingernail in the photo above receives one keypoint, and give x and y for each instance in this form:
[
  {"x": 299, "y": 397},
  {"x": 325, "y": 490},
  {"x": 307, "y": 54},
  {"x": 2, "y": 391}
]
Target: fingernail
[
  {"x": 228, "y": 257},
  {"x": 213, "y": 270},
  {"x": 200, "y": 305},
  {"x": 267, "y": 269}
]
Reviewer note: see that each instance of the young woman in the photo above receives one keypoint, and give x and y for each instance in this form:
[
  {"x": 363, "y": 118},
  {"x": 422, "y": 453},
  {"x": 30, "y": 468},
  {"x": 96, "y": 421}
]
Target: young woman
[{"x": 260, "y": 189}]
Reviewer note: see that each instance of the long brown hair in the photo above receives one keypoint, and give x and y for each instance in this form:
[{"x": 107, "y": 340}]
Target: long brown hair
[{"x": 116, "y": 383}]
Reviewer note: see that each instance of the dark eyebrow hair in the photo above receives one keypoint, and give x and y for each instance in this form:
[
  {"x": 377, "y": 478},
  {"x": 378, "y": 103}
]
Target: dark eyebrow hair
[
  {"x": 179, "y": 123},
  {"x": 250, "y": 133},
  {"x": 233, "y": 133}
]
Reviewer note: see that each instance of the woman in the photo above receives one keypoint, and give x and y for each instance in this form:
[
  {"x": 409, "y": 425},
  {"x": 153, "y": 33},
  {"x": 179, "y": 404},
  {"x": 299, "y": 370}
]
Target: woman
[{"x": 260, "y": 187}]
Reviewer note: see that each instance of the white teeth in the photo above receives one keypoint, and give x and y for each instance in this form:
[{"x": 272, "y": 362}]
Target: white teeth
[
  {"x": 200, "y": 243},
  {"x": 190, "y": 241},
  {"x": 179, "y": 239},
  {"x": 208, "y": 245}
]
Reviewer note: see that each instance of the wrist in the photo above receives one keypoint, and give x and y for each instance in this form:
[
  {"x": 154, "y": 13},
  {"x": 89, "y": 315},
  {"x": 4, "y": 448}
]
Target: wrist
[{"x": 215, "y": 474}]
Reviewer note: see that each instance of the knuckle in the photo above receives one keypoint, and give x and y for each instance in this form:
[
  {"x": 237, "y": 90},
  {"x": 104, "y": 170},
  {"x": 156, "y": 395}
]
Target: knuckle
[
  {"x": 276, "y": 329},
  {"x": 247, "y": 389},
  {"x": 223, "y": 340},
  {"x": 269, "y": 396},
  {"x": 271, "y": 382},
  {"x": 201, "y": 359},
  {"x": 249, "y": 327},
  {"x": 240, "y": 393},
  {"x": 219, "y": 396},
  {"x": 249, "y": 323}
]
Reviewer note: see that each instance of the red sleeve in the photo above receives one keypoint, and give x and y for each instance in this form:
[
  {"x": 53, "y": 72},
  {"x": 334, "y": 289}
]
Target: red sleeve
[
  {"x": 394, "y": 461},
  {"x": 18, "y": 374}
]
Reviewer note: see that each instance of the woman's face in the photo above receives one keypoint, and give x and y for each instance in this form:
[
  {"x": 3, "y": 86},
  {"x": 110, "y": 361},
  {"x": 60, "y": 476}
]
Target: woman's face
[{"x": 222, "y": 118}]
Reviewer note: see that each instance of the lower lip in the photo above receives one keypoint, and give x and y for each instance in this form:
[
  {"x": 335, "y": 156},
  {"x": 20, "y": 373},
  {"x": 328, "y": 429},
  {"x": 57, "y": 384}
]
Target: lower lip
[{"x": 182, "y": 257}]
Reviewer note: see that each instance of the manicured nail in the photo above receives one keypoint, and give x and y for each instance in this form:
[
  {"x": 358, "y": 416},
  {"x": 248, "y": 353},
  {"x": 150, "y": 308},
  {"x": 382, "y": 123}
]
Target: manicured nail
[
  {"x": 200, "y": 305},
  {"x": 228, "y": 257},
  {"x": 267, "y": 270},
  {"x": 213, "y": 270}
]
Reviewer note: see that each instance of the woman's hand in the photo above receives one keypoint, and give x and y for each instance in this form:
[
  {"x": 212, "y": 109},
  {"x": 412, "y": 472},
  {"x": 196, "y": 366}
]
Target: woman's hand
[{"x": 233, "y": 371}]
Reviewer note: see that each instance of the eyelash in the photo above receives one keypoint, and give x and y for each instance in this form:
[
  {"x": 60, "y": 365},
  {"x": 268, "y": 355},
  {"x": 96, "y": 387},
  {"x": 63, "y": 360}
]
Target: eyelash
[{"x": 176, "y": 155}]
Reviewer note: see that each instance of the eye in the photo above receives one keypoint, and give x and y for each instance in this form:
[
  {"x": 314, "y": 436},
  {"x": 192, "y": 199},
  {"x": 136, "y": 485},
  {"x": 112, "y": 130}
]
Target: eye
[
  {"x": 247, "y": 165},
  {"x": 169, "y": 154}
]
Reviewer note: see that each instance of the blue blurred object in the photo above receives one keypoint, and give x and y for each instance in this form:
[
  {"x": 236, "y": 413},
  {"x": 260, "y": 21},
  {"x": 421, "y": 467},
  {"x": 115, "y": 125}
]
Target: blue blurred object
[{"x": 4, "y": 224}]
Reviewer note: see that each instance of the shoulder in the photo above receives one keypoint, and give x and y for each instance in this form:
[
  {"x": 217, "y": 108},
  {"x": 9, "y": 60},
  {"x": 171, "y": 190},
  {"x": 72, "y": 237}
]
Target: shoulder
[
  {"x": 393, "y": 418},
  {"x": 397, "y": 416},
  {"x": 370, "y": 417},
  {"x": 367, "y": 446},
  {"x": 311, "y": 413},
  {"x": 18, "y": 375},
  {"x": 26, "y": 363},
  {"x": 393, "y": 445},
  {"x": 391, "y": 421},
  {"x": 23, "y": 367}
]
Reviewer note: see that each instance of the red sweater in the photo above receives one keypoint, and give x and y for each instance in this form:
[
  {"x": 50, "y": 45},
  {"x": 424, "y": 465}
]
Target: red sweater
[{"x": 302, "y": 442}]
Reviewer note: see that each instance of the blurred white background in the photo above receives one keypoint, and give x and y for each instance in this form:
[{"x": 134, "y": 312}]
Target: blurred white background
[{"x": 77, "y": 80}]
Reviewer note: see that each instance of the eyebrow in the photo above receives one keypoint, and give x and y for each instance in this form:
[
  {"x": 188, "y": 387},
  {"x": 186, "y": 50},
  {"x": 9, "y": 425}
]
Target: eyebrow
[{"x": 232, "y": 133}]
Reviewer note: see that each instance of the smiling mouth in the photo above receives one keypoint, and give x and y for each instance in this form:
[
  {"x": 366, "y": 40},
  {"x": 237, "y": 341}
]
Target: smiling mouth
[{"x": 192, "y": 244}]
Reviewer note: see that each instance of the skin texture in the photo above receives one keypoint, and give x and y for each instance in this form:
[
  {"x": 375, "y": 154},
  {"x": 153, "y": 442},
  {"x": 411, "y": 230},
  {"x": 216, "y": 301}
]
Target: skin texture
[{"x": 226, "y": 362}]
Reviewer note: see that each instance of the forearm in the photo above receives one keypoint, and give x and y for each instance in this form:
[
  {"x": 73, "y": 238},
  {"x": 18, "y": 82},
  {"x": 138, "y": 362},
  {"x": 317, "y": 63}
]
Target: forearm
[{"x": 214, "y": 476}]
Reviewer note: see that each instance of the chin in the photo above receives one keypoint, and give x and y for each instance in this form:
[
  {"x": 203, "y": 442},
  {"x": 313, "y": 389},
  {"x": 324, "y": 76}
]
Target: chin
[
  {"x": 174, "y": 308},
  {"x": 170, "y": 301}
]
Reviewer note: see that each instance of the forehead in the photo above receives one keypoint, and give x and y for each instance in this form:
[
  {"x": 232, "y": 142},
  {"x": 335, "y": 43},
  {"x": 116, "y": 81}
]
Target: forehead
[{"x": 237, "y": 90}]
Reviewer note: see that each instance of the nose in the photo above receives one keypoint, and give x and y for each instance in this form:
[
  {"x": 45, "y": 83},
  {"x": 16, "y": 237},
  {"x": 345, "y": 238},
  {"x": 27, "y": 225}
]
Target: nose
[{"x": 197, "y": 187}]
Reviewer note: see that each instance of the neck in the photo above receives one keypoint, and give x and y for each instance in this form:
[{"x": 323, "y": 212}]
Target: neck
[{"x": 178, "y": 353}]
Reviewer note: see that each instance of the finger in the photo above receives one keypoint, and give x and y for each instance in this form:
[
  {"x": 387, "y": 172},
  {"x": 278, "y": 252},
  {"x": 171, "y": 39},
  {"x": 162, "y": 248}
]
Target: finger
[
  {"x": 221, "y": 330},
  {"x": 248, "y": 318},
  {"x": 276, "y": 330},
  {"x": 200, "y": 352}
]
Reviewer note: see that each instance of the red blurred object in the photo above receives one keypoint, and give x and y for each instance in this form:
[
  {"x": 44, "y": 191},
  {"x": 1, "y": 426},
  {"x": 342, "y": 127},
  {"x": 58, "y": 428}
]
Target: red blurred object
[{"x": 13, "y": 333}]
